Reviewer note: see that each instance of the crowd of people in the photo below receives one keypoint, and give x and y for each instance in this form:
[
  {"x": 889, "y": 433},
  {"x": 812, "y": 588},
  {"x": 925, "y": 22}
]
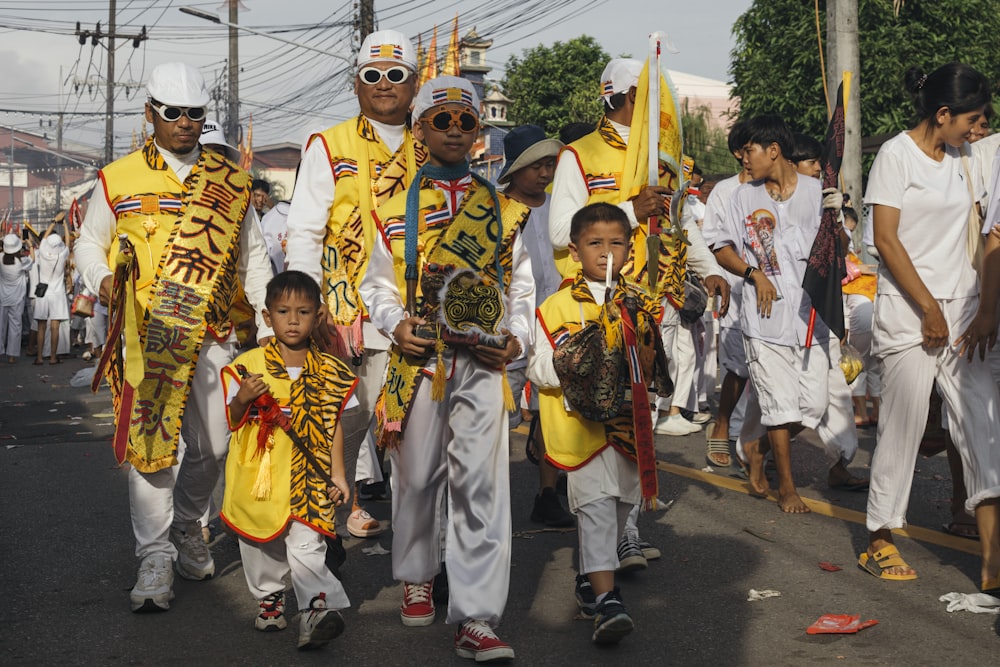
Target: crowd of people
[
  {"x": 404, "y": 311},
  {"x": 43, "y": 301}
]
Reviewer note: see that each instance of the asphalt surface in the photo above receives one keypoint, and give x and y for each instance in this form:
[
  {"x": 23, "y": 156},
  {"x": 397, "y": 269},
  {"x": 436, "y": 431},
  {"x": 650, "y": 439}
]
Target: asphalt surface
[{"x": 68, "y": 563}]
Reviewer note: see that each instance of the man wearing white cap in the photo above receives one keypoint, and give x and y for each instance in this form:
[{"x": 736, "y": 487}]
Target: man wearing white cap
[
  {"x": 174, "y": 222},
  {"x": 591, "y": 170},
  {"x": 347, "y": 171}
]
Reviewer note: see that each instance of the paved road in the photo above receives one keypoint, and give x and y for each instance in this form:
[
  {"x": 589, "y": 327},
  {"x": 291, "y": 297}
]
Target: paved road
[{"x": 66, "y": 549}]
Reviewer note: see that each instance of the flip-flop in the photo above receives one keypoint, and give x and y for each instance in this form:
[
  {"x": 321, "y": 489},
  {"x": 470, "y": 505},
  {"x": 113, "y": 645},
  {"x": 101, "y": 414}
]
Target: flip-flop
[
  {"x": 886, "y": 557},
  {"x": 36, "y": 362},
  {"x": 968, "y": 531},
  {"x": 718, "y": 446}
]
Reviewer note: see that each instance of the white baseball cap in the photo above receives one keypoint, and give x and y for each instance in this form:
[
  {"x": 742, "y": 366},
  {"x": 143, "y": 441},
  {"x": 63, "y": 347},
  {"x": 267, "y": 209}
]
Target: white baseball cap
[
  {"x": 387, "y": 46},
  {"x": 442, "y": 90},
  {"x": 212, "y": 135},
  {"x": 618, "y": 76},
  {"x": 177, "y": 84}
]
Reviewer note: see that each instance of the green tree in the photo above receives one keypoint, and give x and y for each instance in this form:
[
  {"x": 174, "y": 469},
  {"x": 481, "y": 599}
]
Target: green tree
[
  {"x": 706, "y": 142},
  {"x": 554, "y": 85},
  {"x": 776, "y": 65}
]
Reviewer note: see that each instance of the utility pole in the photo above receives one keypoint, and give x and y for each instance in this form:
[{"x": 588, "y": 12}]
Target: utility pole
[
  {"x": 109, "y": 96},
  {"x": 366, "y": 19},
  {"x": 233, "y": 112},
  {"x": 59, "y": 148},
  {"x": 109, "y": 107},
  {"x": 842, "y": 56}
]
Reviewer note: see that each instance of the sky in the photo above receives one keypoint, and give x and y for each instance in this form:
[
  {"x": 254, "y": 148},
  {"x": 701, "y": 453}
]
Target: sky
[{"x": 292, "y": 91}]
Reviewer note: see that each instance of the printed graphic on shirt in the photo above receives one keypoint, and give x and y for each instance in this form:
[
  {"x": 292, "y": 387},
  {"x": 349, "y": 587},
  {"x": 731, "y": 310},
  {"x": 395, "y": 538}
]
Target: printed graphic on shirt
[{"x": 760, "y": 231}]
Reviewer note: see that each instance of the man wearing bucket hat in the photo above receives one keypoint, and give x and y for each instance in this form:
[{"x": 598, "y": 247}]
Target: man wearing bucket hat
[
  {"x": 347, "y": 171},
  {"x": 591, "y": 170},
  {"x": 530, "y": 160},
  {"x": 174, "y": 223}
]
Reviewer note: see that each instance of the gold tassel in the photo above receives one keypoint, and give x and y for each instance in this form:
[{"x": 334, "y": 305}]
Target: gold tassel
[
  {"x": 508, "y": 396},
  {"x": 262, "y": 485},
  {"x": 440, "y": 373}
]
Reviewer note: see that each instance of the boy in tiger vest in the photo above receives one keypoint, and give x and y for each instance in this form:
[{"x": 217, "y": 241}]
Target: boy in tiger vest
[
  {"x": 451, "y": 266},
  {"x": 279, "y": 499}
]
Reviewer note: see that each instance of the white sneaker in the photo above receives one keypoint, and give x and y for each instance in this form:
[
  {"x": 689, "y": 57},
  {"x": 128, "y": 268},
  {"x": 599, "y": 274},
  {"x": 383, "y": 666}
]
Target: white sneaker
[
  {"x": 154, "y": 586},
  {"x": 701, "y": 418},
  {"x": 675, "y": 425},
  {"x": 318, "y": 625},
  {"x": 194, "y": 560}
]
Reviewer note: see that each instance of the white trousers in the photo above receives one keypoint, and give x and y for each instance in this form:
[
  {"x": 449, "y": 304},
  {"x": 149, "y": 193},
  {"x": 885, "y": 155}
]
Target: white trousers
[
  {"x": 678, "y": 343},
  {"x": 599, "y": 524},
  {"x": 300, "y": 554},
  {"x": 859, "y": 311},
  {"x": 10, "y": 329},
  {"x": 168, "y": 496},
  {"x": 359, "y": 441},
  {"x": 451, "y": 491},
  {"x": 908, "y": 373},
  {"x": 836, "y": 419}
]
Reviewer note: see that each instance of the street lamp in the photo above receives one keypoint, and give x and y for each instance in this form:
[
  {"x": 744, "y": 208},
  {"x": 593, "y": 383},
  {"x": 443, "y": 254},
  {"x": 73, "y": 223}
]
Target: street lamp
[{"x": 215, "y": 19}]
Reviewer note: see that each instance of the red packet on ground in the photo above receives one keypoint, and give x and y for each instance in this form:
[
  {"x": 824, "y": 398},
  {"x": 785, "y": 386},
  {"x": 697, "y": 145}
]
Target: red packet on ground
[
  {"x": 839, "y": 624},
  {"x": 829, "y": 567}
]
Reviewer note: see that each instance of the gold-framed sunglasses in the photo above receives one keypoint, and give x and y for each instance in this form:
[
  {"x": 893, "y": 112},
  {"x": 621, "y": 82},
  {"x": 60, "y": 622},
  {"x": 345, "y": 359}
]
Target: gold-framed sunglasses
[{"x": 444, "y": 120}]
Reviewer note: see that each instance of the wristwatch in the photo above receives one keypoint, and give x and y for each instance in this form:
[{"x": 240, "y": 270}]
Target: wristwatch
[{"x": 749, "y": 272}]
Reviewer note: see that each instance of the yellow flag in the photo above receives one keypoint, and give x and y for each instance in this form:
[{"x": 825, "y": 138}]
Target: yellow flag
[
  {"x": 671, "y": 141},
  {"x": 430, "y": 69},
  {"x": 451, "y": 67},
  {"x": 246, "y": 150}
]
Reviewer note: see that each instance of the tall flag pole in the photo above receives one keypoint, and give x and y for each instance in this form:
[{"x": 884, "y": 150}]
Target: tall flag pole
[{"x": 825, "y": 267}]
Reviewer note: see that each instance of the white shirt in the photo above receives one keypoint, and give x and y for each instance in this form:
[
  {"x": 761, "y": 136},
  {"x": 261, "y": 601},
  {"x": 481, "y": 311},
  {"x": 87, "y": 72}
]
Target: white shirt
[
  {"x": 796, "y": 221},
  {"x": 933, "y": 201},
  {"x": 310, "y": 211},
  {"x": 570, "y": 194},
  {"x": 14, "y": 281},
  {"x": 100, "y": 226},
  {"x": 713, "y": 223},
  {"x": 274, "y": 226},
  {"x": 381, "y": 295}
]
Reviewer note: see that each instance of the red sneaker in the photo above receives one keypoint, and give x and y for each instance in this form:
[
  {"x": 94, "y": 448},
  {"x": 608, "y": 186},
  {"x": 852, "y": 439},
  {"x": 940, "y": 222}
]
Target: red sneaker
[
  {"x": 418, "y": 607},
  {"x": 476, "y": 639}
]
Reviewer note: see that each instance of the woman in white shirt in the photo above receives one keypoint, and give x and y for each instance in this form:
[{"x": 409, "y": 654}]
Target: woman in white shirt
[
  {"x": 927, "y": 295},
  {"x": 52, "y": 308}
]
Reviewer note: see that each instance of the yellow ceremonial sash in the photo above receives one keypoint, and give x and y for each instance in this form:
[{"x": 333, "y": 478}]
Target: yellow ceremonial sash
[
  {"x": 357, "y": 155},
  {"x": 194, "y": 278},
  {"x": 468, "y": 240}
]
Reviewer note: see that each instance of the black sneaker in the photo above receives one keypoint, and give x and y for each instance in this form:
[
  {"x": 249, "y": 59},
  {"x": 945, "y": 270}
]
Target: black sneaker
[
  {"x": 611, "y": 621},
  {"x": 630, "y": 558},
  {"x": 585, "y": 597},
  {"x": 549, "y": 510}
]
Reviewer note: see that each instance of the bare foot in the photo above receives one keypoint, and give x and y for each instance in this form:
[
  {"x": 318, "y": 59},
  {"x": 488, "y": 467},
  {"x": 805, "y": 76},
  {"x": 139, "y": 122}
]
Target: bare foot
[
  {"x": 792, "y": 503},
  {"x": 759, "y": 485},
  {"x": 840, "y": 477}
]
